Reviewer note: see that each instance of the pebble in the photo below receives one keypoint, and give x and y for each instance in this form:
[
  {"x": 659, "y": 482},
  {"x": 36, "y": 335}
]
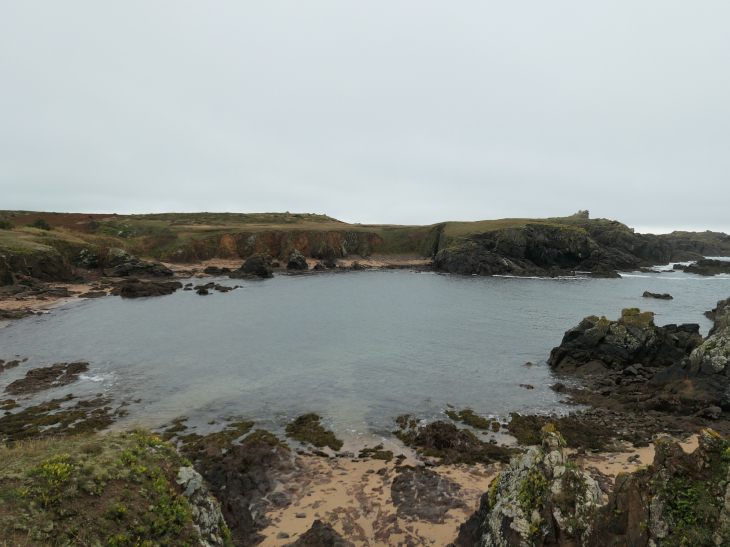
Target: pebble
[
  {"x": 282, "y": 535},
  {"x": 370, "y": 471},
  {"x": 301, "y": 515}
]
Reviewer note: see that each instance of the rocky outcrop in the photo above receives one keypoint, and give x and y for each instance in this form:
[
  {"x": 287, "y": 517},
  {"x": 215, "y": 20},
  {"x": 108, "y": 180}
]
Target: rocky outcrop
[
  {"x": 44, "y": 264},
  {"x": 208, "y": 520},
  {"x": 541, "y": 499},
  {"x": 597, "y": 344},
  {"x": 7, "y": 277},
  {"x": 704, "y": 376},
  {"x": 530, "y": 250},
  {"x": 664, "y": 296},
  {"x": 297, "y": 262},
  {"x": 696, "y": 245},
  {"x": 709, "y": 267},
  {"x": 255, "y": 266},
  {"x": 139, "y": 268},
  {"x": 136, "y": 288},
  {"x": 320, "y": 535}
]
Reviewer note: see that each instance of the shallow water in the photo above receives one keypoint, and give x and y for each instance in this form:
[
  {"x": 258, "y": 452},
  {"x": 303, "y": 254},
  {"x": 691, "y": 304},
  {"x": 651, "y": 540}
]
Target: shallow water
[{"x": 359, "y": 347}]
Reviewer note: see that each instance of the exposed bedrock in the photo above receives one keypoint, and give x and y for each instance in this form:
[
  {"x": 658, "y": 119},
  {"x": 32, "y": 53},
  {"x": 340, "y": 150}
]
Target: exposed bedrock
[
  {"x": 278, "y": 244},
  {"x": 532, "y": 249},
  {"x": 597, "y": 344},
  {"x": 45, "y": 264},
  {"x": 542, "y": 500},
  {"x": 709, "y": 267}
]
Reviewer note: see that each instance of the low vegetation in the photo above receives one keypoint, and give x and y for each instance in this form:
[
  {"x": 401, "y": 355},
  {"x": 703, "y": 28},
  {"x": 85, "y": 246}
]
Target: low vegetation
[{"x": 117, "y": 491}]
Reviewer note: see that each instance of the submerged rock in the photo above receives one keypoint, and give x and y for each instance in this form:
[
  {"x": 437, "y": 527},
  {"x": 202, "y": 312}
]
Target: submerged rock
[
  {"x": 135, "y": 288},
  {"x": 39, "y": 379},
  {"x": 664, "y": 296}
]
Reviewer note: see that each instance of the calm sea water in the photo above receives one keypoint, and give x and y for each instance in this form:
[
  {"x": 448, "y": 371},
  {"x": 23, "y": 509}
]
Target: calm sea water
[{"x": 359, "y": 348}]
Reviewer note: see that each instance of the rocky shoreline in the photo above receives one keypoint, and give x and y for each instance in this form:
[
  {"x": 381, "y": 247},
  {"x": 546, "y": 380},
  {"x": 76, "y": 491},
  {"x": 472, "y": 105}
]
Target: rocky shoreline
[{"x": 647, "y": 388}]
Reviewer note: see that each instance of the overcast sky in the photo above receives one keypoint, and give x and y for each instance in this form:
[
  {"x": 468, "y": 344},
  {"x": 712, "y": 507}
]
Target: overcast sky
[{"x": 408, "y": 112}]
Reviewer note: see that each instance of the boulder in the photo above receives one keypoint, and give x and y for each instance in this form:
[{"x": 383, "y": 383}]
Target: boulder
[
  {"x": 215, "y": 270},
  {"x": 140, "y": 269},
  {"x": 329, "y": 264},
  {"x": 297, "y": 262},
  {"x": 632, "y": 339},
  {"x": 664, "y": 296},
  {"x": 255, "y": 266}
]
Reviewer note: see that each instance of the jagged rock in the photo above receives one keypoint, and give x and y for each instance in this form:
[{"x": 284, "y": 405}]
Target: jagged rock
[
  {"x": 297, "y": 262},
  {"x": 539, "y": 500},
  {"x": 140, "y": 269},
  {"x": 44, "y": 264},
  {"x": 320, "y": 535},
  {"x": 255, "y": 266},
  {"x": 135, "y": 288},
  {"x": 208, "y": 520},
  {"x": 633, "y": 338},
  {"x": 7, "y": 277},
  {"x": 664, "y": 296},
  {"x": 702, "y": 379},
  {"x": 709, "y": 267}
]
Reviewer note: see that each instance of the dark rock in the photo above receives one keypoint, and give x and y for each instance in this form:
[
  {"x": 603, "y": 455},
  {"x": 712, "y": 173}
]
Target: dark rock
[
  {"x": 320, "y": 535},
  {"x": 424, "y": 494},
  {"x": 140, "y": 269},
  {"x": 135, "y": 288},
  {"x": 255, "y": 266},
  {"x": 214, "y": 270},
  {"x": 45, "y": 265},
  {"x": 297, "y": 262},
  {"x": 202, "y": 291},
  {"x": 40, "y": 379},
  {"x": 527, "y": 386},
  {"x": 357, "y": 266},
  {"x": 7, "y": 277},
  {"x": 634, "y": 338},
  {"x": 664, "y": 296},
  {"x": 275, "y": 265},
  {"x": 14, "y": 314},
  {"x": 319, "y": 267},
  {"x": 709, "y": 267},
  {"x": 329, "y": 264},
  {"x": 93, "y": 294}
]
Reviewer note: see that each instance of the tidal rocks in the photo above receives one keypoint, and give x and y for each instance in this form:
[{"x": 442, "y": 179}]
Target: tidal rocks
[
  {"x": 14, "y": 314},
  {"x": 709, "y": 267},
  {"x": 424, "y": 494},
  {"x": 255, "y": 266},
  {"x": 541, "y": 499},
  {"x": 597, "y": 344},
  {"x": 306, "y": 428},
  {"x": 136, "y": 288},
  {"x": 448, "y": 443},
  {"x": 140, "y": 269},
  {"x": 297, "y": 262},
  {"x": 319, "y": 535},
  {"x": 665, "y": 296},
  {"x": 577, "y": 433},
  {"x": 39, "y": 379}
]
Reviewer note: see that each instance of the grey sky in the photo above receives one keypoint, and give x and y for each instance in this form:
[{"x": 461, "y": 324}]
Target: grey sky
[{"x": 398, "y": 112}]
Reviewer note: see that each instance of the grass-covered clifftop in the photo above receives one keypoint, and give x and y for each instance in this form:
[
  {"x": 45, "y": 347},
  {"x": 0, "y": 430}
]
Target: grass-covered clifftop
[{"x": 191, "y": 237}]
